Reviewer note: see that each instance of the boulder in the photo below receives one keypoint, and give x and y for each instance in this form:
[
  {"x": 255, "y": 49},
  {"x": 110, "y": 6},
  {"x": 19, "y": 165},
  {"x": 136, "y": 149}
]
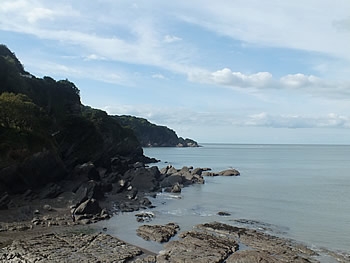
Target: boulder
[
  {"x": 88, "y": 190},
  {"x": 88, "y": 171},
  {"x": 230, "y": 172},
  {"x": 90, "y": 206},
  {"x": 144, "y": 179},
  {"x": 158, "y": 233},
  {"x": 222, "y": 213},
  {"x": 171, "y": 180},
  {"x": 176, "y": 188}
]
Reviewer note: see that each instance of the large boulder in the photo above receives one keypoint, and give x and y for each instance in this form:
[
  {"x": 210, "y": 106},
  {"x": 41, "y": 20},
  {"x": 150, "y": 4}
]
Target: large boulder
[
  {"x": 229, "y": 172},
  {"x": 87, "y": 171},
  {"x": 90, "y": 206},
  {"x": 88, "y": 190},
  {"x": 144, "y": 179}
]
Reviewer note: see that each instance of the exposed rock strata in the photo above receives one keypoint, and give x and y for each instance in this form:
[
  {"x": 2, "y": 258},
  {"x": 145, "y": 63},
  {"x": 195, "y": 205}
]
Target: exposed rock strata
[
  {"x": 196, "y": 246},
  {"x": 71, "y": 248},
  {"x": 228, "y": 172},
  {"x": 158, "y": 233}
]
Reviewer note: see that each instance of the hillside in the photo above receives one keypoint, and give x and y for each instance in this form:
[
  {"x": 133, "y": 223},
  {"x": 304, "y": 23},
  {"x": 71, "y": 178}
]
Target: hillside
[
  {"x": 151, "y": 135},
  {"x": 45, "y": 131}
]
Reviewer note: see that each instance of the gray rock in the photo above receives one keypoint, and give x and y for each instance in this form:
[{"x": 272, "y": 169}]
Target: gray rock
[
  {"x": 144, "y": 179},
  {"x": 158, "y": 233},
  {"x": 47, "y": 207},
  {"x": 88, "y": 190},
  {"x": 90, "y": 206},
  {"x": 222, "y": 213},
  {"x": 51, "y": 190},
  {"x": 230, "y": 172},
  {"x": 195, "y": 246},
  {"x": 250, "y": 256},
  {"x": 4, "y": 201},
  {"x": 68, "y": 247}
]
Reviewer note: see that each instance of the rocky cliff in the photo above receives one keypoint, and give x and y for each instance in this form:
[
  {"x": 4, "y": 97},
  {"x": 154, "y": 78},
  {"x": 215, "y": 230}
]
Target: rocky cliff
[
  {"x": 152, "y": 135},
  {"x": 45, "y": 131}
]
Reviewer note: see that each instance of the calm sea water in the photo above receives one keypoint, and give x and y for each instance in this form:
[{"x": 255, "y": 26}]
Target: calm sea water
[{"x": 296, "y": 191}]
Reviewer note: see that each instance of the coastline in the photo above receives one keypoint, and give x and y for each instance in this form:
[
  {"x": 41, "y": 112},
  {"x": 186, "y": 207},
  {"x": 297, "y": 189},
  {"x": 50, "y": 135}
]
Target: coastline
[{"x": 24, "y": 241}]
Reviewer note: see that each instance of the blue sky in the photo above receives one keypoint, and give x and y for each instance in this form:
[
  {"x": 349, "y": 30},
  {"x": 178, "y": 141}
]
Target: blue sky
[{"x": 244, "y": 71}]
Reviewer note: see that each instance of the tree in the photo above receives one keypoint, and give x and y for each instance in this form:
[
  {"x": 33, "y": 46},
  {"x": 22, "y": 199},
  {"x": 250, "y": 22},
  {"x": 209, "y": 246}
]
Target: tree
[{"x": 17, "y": 111}]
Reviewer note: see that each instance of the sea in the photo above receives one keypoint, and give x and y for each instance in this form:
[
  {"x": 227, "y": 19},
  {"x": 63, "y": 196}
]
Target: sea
[{"x": 300, "y": 192}]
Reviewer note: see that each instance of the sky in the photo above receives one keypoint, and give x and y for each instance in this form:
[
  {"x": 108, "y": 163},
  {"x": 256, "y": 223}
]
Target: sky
[{"x": 239, "y": 71}]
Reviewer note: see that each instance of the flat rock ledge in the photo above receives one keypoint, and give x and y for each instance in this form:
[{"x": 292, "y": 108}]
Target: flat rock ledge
[
  {"x": 196, "y": 246},
  {"x": 73, "y": 248},
  {"x": 218, "y": 242},
  {"x": 158, "y": 233}
]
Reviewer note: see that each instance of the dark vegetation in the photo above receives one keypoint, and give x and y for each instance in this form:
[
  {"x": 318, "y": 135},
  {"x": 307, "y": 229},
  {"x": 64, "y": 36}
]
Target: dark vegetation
[
  {"x": 151, "y": 135},
  {"x": 45, "y": 131},
  {"x": 42, "y": 115}
]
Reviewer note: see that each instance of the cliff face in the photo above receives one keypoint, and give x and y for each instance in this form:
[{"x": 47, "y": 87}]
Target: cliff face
[
  {"x": 151, "y": 135},
  {"x": 44, "y": 126}
]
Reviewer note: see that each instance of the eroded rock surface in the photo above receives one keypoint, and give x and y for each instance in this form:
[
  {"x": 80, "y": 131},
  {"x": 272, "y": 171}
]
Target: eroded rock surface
[
  {"x": 158, "y": 233},
  {"x": 266, "y": 247},
  {"x": 198, "y": 246},
  {"x": 71, "y": 248}
]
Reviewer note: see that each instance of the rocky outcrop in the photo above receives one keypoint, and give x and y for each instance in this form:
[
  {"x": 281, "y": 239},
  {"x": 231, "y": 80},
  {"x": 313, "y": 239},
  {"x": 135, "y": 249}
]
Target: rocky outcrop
[
  {"x": 196, "y": 246},
  {"x": 228, "y": 172},
  {"x": 265, "y": 247},
  {"x": 158, "y": 233},
  {"x": 151, "y": 135},
  {"x": 72, "y": 248},
  {"x": 251, "y": 256},
  {"x": 170, "y": 176}
]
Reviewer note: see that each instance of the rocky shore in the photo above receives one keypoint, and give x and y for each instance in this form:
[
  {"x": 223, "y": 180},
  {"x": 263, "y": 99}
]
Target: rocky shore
[{"x": 53, "y": 225}]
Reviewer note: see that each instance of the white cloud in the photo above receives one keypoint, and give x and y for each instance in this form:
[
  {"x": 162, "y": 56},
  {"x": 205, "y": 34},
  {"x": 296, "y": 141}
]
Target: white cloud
[
  {"x": 180, "y": 116},
  {"x": 94, "y": 57},
  {"x": 158, "y": 76},
  {"x": 171, "y": 39},
  {"x": 264, "y": 119},
  {"x": 308, "y": 84},
  {"x": 299, "y": 80},
  {"x": 308, "y": 26}
]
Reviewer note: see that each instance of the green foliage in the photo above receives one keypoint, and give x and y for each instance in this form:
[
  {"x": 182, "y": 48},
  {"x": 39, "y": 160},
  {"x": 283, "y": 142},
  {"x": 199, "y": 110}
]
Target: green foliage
[
  {"x": 37, "y": 114},
  {"x": 148, "y": 133},
  {"x": 17, "y": 111}
]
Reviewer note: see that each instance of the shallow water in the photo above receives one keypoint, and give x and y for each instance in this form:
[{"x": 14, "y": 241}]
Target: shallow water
[{"x": 295, "y": 191}]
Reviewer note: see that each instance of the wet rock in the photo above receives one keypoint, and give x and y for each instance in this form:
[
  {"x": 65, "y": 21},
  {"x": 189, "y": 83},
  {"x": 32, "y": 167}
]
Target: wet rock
[
  {"x": 222, "y": 213},
  {"x": 281, "y": 250},
  {"x": 158, "y": 233},
  {"x": 171, "y": 180},
  {"x": 195, "y": 246},
  {"x": 144, "y": 217},
  {"x": 146, "y": 203},
  {"x": 176, "y": 188},
  {"x": 144, "y": 179},
  {"x": 229, "y": 172}
]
